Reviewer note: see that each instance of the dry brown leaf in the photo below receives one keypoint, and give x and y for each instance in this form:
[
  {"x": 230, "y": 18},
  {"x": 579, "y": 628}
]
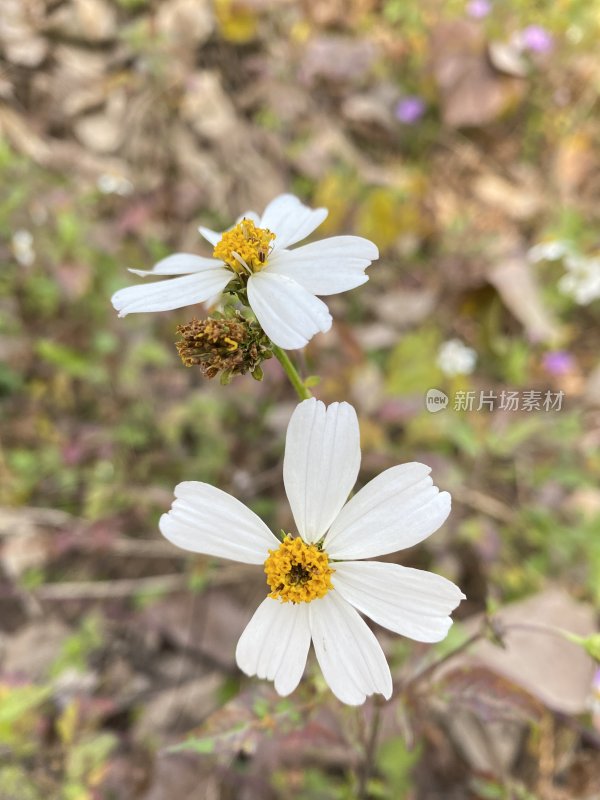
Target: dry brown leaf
[
  {"x": 575, "y": 159},
  {"x": 21, "y": 135},
  {"x": 178, "y": 708},
  {"x": 508, "y": 57},
  {"x": 185, "y": 776},
  {"x": 536, "y": 658},
  {"x": 516, "y": 201},
  {"x": 515, "y": 282},
  {"x": 44, "y": 638},
  {"x": 338, "y": 59},
  {"x": 206, "y": 106},
  {"x": 94, "y": 20},
  {"x": 472, "y": 92},
  {"x": 77, "y": 82},
  {"x": 20, "y": 38},
  {"x": 185, "y": 23},
  {"x": 592, "y": 390}
]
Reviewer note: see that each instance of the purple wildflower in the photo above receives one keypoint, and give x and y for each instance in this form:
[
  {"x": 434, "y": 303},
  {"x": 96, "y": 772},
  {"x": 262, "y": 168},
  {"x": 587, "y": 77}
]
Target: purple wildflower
[
  {"x": 410, "y": 109},
  {"x": 478, "y": 9},
  {"x": 536, "y": 39},
  {"x": 558, "y": 362},
  {"x": 595, "y": 694}
]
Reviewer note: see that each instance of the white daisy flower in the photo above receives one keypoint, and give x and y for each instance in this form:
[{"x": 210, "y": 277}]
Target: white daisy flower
[
  {"x": 280, "y": 284},
  {"x": 455, "y": 358},
  {"x": 319, "y": 580}
]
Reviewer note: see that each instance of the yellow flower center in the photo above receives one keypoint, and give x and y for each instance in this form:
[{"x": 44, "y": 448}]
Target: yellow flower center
[
  {"x": 245, "y": 248},
  {"x": 298, "y": 572}
]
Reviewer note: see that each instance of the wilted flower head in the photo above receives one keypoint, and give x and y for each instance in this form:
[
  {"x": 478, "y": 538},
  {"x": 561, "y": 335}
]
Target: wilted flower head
[
  {"x": 455, "y": 358},
  {"x": 410, "y": 109},
  {"x": 318, "y": 581},
  {"x": 228, "y": 344},
  {"x": 536, "y": 39},
  {"x": 253, "y": 261}
]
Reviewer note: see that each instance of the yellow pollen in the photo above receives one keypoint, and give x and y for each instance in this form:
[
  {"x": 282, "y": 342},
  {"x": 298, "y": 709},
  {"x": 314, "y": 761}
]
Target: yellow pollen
[
  {"x": 245, "y": 243},
  {"x": 298, "y": 572}
]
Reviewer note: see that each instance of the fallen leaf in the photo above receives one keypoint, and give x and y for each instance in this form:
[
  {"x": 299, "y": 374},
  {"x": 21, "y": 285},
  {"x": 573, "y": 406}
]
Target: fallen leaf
[
  {"x": 472, "y": 92},
  {"x": 20, "y": 32},
  {"x": 537, "y": 658},
  {"x": 338, "y": 59},
  {"x": 514, "y": 279}
]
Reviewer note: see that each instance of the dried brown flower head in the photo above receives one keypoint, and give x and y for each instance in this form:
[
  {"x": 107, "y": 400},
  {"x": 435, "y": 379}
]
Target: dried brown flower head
[{"x": 226, "y": 343}]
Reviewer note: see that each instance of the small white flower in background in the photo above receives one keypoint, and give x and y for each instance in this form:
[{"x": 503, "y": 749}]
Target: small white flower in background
[
  {"x": 281, "y": 284},
  {"x": 549, "y": 251},
  {"x": 582, "y": 279},
  {"x": 455, "y": 358},
  {"x": 22, "y": 247},
  {"x": 111, "y": 183},
  {"x": 318, "y": 580}
]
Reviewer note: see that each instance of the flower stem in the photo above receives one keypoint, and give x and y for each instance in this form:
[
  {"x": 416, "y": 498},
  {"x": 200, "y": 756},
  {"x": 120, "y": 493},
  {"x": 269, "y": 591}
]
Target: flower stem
[
  {"x": 290, "y": 370},
  {"x": 368, "y": 765}
]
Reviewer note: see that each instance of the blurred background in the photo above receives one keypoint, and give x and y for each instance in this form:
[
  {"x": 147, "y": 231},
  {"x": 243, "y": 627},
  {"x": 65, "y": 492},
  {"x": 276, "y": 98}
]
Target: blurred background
[{"x": 464, "y": 139}]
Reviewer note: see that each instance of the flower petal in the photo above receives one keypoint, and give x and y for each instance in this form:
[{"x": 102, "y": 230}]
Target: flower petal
[
  {"x": 321, "y": 463},
  {"x": 275, "y": 644},
  {"x": 326, "y": 267},
  {"x": 348, "y": 653},
  {"x": 213, "y": 237},
  {"x": 172, "y": 293},
  {"x": 290, "y": 220},
  {"x": 288, "y": 314},
  {"x": 411, "y": 602},
  {"x": 206, "y": 520},
  {"x": 180, "y": 264},
  {"x": 397, "y": 509}
]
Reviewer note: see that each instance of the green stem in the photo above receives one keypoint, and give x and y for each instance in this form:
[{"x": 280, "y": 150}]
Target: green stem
[
  {"x": 368, "y": 765},
  {"x": 290, "y": 370}
]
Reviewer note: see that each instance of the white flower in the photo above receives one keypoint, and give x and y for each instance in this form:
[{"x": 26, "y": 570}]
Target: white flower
[
  {"x": 22, "y": 247},
  {"x": 455, "y": 358},
  {"x": 281, "y": 284},
  {"x": 111, "y": 183},
  {"x": 318, "y": 579},
  {"x": 582, "y": 279},
  {"x": 553, "y": 250}
]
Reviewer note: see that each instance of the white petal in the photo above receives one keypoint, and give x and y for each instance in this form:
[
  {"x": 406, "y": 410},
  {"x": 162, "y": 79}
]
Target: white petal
[
  {"x": 206, "y": 520},
  {"x": 322, "y": 459},
  {"x": 214, "y": 237},
  {"x": 348, "y": 653},
  {"x": 290, "y": 220},
  {"x": 288, "y": 314},
  {"x": 397, "y": 509},
  {"x": 171, "y": 293},
  {"x": 326, "y": 267},
  {"x": 411, "y": 602},
  {"x": 180, "y": 264},
  {"x": 275, "y": 644}
]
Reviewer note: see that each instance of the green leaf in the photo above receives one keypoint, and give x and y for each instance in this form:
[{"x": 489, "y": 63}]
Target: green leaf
[{"x": 21, "y": 699}]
